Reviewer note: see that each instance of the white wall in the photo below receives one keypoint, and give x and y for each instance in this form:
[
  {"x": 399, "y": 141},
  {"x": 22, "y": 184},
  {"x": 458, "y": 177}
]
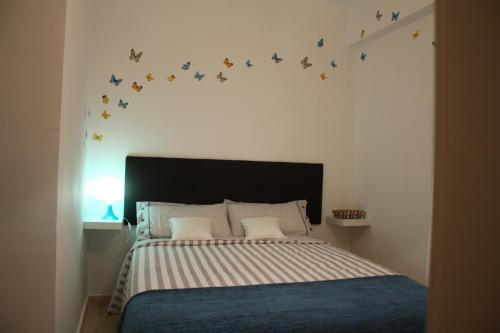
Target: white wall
[
  {"x": 70, "y": 257},
  {"x": 105, "y": 251},
  {"x": 377, "y": 152},
  {"x": 270, "y": 112},
  {"x": 32, "y": 42},
  {"x": 394, "y": 146}
]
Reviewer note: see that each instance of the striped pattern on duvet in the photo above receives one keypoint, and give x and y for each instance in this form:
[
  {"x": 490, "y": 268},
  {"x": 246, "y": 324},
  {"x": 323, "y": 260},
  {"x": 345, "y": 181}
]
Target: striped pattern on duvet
[{"x": 164, "y": 264}]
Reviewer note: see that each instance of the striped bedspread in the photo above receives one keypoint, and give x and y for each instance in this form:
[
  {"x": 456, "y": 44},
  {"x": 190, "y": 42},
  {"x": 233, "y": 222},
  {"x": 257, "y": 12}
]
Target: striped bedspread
[{"x": 166, "y": 264}]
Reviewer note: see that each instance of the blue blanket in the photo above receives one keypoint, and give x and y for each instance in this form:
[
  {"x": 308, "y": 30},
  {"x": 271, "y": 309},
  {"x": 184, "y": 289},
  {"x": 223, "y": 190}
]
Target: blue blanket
[{"x": 374, "y": 304}]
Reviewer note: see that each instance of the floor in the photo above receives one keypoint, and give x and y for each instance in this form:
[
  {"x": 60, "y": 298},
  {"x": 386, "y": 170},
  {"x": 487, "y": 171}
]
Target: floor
[{"x": 96, "y": 320}]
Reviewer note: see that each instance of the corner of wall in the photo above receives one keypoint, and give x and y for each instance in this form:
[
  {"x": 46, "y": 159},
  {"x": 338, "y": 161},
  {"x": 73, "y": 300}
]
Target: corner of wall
[{"x": 70, "y": 249}]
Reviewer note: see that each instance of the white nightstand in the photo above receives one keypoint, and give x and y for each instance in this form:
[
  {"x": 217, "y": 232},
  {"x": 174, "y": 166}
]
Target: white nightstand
[
  {"x": 96, "y": 224},
  {"x": 348, "y": 222}
]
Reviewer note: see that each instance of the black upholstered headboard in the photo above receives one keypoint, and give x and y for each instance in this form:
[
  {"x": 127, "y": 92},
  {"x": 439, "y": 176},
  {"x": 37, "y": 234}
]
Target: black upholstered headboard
[{"x": 204, "y": 181}]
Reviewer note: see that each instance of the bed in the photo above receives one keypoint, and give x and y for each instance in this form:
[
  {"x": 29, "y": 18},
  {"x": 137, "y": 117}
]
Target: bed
[{"x": 233, "y": 284}]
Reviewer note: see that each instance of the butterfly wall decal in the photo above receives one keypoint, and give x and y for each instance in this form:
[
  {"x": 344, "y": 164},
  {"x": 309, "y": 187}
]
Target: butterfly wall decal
[
  {"x": 378, "y": 16},
  {"x": 105, "y": 99},
  {"x": 334, "y": 64},
  {"x": 305, "y": 64},
  {"x": 323, "y": 76},
  {"x": 395, "y": 16},
  {"x": 198, "y": 76},
  {"x": 135, "y": 56},
  {"x": 186, "y": 66},
  {"x": 114, "y": 80},
  {"x": 276, "y": 59},
  {"x": 415, "y": 34},
  {"x": 248, "y": 63},
  {"x": 105, "y": 115},
  {"x": 171, "y": 77},
  {"x": 363, "y": 56},
  {"x": 227, "y": 63},
  {"x": 362, "y": 34},
  {"x": 434, "y": 43},
  {"x": 221, "y": 78},
  {"x": 122, "y": 104},
  {"x": 149, "y": 77},
  {"x": 320, "y": 43},
  {"x": 137, "y": 87},
  {"x": 97, "y": 137}
]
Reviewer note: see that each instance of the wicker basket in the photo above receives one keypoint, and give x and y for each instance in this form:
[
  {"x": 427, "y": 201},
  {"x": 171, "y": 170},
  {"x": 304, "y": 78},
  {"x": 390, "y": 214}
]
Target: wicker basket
[{"x": 349, "y": 214}]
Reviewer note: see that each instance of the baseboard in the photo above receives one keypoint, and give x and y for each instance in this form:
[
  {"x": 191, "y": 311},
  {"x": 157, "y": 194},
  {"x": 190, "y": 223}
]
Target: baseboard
[
  {"x": 98, "y": 294},
  {"x": 84, "y": 308},
  {"x": 82, "y": 314}
]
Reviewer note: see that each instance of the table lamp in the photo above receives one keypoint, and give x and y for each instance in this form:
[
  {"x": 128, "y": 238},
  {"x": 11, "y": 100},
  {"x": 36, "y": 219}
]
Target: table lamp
[{"x": 109, "y": 190}]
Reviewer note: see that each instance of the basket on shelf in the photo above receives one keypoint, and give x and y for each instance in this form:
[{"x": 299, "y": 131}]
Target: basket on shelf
[{"x": 349, "y": 214}]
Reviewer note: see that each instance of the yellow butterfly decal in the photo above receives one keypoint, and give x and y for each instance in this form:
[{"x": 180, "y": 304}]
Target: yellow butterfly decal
[
  {"x": 97, "y": 137},
  {"x": 149, "y": 77},
  {"x": 228, "y": 63},
  {"x": 136, "y": 87},
  {"x": 105, "y": 115},
  {"x": 105, "y": 99},
  {"x": 171, "y": 77},
  {"x": 323, "y": 76},
  {"x": 221, "y": 78},
  {"x": 415, "y": 34}
]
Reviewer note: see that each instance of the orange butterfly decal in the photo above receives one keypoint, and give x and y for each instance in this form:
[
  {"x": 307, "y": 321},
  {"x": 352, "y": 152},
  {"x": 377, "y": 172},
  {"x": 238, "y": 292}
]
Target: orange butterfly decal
[
  {"x": 136, "y": 87},
  {"x": 415, "y": 34},
  {"x": 323, "y": 76},
  {"x": 228, "y": 63},
  {"x": 149, "y": 77},
  {"x": 171, "y": 77},
  {"x": 105, "y": 99}
]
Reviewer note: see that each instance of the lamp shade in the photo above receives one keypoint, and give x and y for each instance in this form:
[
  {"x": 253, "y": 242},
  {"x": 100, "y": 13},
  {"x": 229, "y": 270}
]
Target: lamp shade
[{"x": 108, "y": 189}]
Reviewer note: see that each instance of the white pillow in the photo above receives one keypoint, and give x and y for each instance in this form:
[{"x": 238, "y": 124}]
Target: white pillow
[
  {"x": 190, "y": 228},
  {"x": 262, "y": 228},
  {"x": 292, "y": 216},
  {"x": 155, "y": 217}
]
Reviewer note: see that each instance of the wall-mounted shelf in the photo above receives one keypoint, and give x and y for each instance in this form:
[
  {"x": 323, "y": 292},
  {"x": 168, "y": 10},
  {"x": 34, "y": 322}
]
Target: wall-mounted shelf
[
  {"x": 96, "y": 224},
  {"x": 348, "y": 222}
]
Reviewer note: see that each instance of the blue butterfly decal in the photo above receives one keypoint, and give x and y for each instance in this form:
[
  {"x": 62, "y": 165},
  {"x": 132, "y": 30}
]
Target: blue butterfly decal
[
  {"x": 334, "y": 64},
  {"x": 122, "y": 104},
  {"x": 199, "y": 76},
  {"x": 249, "y": 63},
  {"x": 395, "y": 16},
  {"x": 305, "y": 64},
  {"x": 114, "y": 80},
  {"x": 186, "y": 66},
  {"x": 320, "y": 43},
  {"x": 363, "y": 56},
  {"x": 275, "y": 58}
]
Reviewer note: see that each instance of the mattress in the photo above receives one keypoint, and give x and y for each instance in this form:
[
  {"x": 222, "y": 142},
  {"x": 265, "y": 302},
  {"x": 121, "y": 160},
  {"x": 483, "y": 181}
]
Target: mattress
[{"x": 175, "y": 265}]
